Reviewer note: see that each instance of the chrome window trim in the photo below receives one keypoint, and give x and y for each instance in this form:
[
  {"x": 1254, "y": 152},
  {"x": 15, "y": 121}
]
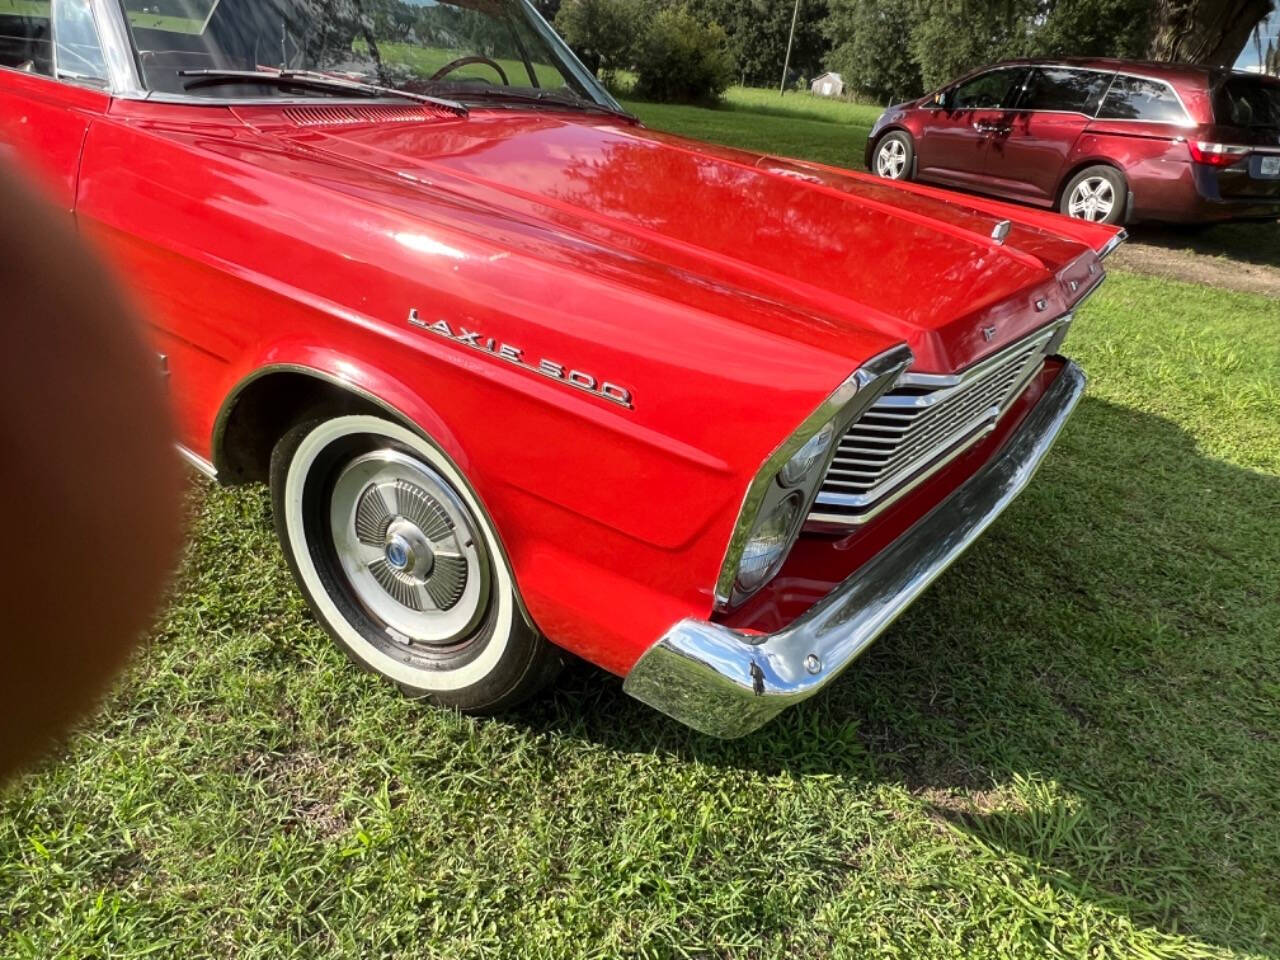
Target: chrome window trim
[
  {"x": 845, "y": 404},
  {"x": 897, "y": 485},
  {"x": 117, "y": 48}
]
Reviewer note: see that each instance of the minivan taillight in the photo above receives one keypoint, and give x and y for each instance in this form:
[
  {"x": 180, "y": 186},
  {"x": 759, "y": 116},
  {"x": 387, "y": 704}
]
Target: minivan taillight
[{"x": 1216, "y": 154}]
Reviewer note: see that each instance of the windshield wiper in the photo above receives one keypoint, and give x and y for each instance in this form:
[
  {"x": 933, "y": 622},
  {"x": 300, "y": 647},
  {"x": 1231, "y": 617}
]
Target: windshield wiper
[
  {"x": 547, "y": 99},
  {"x": 315, "y": 81}
]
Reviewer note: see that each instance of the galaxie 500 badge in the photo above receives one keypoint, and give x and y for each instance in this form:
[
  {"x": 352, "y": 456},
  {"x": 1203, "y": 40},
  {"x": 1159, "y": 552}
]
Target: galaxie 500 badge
[{"x": 551, "y": 369}]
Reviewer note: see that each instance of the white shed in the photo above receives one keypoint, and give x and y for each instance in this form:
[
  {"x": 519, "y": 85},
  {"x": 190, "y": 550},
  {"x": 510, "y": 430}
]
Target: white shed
[{"x": 827, "y": 85}]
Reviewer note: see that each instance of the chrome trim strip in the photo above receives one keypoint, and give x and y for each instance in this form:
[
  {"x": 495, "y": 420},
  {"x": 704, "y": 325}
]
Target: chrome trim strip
[
  {"x": 727, "y": 683},
  {"x": 1109, "y": 247},
  {"x": 847, "y": 402},
  {"x": 117, "y": 48},
  {"x": 195, "y": 460}
]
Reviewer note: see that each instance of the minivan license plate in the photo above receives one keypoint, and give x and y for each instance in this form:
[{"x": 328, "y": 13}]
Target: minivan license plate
[{"x": 1271, "y": 166}]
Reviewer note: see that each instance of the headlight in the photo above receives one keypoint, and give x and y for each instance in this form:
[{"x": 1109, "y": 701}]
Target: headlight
[
  {"x": 764, "y": 552},
  {"x": 795, "y": 469},
  {"x": 782, "y": 491}
]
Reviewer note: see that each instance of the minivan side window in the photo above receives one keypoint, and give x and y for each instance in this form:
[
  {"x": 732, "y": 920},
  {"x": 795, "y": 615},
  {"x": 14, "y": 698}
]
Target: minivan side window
[
  {"x": 1133, "y": 98},
  {"x": 1064, "y": 91},
  {"x": 26, "y": 39},
  {"x": 987, "y": 91}
]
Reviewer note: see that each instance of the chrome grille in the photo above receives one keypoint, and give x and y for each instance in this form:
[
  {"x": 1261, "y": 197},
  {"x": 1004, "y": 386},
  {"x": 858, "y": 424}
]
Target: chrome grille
[{"x": 919, "y": 426}]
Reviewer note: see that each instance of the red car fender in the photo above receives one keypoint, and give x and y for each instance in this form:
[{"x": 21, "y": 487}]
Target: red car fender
[{"x": 347, "y": 373}]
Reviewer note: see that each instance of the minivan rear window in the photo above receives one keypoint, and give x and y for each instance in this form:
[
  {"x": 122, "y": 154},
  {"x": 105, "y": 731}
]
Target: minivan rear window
[
  {"x": 1133, "y": 98},
  {"x": 1247, "y": 102}
]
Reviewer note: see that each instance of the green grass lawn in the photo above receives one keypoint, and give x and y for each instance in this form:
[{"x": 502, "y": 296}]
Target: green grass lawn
[
  {"x": 1068, "y": 747},
  {"x": 797, "y": 125}
]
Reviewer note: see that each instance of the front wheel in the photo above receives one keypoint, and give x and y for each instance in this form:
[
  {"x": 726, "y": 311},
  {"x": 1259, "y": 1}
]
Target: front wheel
[
  {"x": 400, "y": 564},
  {"x": 1098, "y": 194},
  {"x": 894, "y": 156}
]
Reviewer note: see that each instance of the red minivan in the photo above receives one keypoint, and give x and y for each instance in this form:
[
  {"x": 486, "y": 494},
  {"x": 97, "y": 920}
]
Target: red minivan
[{"x": 1106, "y": 140}]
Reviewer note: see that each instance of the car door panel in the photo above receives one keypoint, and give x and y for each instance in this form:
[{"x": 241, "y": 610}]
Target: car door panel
[
  {"x": 1030, "y": 150},
  {"x": 141, "y": 204},
  {"x": 956, "y": 135},
  {"x": 42, "y": 129}
]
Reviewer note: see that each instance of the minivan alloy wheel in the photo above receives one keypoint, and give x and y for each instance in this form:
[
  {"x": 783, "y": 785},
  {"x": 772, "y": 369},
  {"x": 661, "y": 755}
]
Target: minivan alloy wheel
[
  {"x": 1092, "y": 199},
  {"x": 891, "y": 159}
]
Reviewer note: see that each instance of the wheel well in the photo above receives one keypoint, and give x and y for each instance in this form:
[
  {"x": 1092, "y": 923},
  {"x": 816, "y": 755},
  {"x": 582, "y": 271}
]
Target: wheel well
[
  {"x": 888, "y": 130},
  {"x": 264, "y": 409},
  {"x": 1084, "y": 165}
]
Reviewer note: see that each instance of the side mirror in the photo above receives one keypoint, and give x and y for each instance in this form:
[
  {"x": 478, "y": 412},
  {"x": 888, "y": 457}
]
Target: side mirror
[{"x": 940, "y": 100}]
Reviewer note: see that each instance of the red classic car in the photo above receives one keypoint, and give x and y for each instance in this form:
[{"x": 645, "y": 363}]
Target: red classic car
[{"x": 524, "y": 375}]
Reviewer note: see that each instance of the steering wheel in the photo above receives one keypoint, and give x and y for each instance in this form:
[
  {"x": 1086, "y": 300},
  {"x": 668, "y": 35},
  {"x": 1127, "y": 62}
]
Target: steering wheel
[{"x": 453, "y": 65}]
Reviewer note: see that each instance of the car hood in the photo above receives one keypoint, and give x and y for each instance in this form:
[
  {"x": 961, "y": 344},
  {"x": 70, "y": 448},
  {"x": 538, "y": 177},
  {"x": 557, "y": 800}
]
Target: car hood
[{"x": 849, "y": 253}]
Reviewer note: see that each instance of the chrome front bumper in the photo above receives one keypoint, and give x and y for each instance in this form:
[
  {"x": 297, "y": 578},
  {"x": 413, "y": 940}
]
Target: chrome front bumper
[{"x": 727, "y": 683}]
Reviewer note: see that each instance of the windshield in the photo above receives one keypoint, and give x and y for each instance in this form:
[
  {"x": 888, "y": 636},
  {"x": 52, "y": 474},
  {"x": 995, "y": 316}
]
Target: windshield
[
  {"x": 1247, "y": 102},
  {"x": 460, "y": 49}
]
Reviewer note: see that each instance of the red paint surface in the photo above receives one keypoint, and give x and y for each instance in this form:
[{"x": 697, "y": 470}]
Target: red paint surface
[{"x": 729, "y": 292}]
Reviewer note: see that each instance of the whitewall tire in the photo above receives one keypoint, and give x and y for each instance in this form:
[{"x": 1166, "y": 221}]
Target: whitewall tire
[{"x": 401, "y": 565}]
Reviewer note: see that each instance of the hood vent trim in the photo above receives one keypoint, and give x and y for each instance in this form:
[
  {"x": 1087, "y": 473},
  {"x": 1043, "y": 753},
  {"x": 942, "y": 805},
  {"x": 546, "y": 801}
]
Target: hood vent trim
[{"x": 347, "y": 116}]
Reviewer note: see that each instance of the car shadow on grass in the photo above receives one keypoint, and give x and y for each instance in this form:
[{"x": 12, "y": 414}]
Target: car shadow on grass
[{"x": 1093, "y": 690}]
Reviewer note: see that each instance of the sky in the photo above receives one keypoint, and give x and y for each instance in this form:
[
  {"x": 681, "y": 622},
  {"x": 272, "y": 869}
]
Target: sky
[{"x": 1269, "y": 28}]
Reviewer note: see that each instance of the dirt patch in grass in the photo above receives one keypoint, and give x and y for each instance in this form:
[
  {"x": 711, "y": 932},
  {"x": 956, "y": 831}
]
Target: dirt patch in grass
[{"x": 1163, "y": 255}]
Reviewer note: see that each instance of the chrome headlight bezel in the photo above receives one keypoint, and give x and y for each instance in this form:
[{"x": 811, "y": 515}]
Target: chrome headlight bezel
[{"x": 767, "y": 490}]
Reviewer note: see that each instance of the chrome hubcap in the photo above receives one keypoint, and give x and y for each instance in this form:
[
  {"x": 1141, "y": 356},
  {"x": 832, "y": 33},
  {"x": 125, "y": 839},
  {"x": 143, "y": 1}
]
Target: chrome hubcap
[
  {"x": 891, "y": 159},
  {"x": 1092, "y": 199},
  {"x": 409, "y": 549}
]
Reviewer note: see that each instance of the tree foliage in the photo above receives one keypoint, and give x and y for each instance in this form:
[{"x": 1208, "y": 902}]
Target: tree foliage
[
  {"x": 871, "y": 47},
  {"x": 903, "y": 47},
  {"x": 680, "y": 58},
  {"x": 601, "y": 32},
  {"x": 758, "y": 30}
]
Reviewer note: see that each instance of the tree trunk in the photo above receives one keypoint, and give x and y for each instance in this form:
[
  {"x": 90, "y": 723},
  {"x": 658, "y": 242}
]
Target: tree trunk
[{"x": 1211, "y": 32}]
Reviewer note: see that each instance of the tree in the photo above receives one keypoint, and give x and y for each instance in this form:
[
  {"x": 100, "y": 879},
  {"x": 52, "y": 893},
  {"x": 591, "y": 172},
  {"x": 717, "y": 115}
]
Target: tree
[
  {"x": 757, "y": 32},
  {"x": 871, "y": 47},
  {"x": 601, "y": 32},
  {"x": 1094, "y": 28},
  {"x": 682, "y": 59},
  {"x": 1211, "y": 32}
]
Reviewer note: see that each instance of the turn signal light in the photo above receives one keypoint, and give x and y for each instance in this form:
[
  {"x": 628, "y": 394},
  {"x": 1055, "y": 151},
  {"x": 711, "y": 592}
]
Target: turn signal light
[{"x": 1216, "y": 154}]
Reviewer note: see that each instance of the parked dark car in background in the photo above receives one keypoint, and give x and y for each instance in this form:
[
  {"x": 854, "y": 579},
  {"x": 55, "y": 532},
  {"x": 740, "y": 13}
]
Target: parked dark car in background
[{"x": 1105, "y": 140}]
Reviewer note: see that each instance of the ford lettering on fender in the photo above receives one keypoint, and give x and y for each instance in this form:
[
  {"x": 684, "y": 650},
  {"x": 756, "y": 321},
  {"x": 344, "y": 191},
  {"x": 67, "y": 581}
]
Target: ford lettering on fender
[{"x": 526, "y": 377}]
